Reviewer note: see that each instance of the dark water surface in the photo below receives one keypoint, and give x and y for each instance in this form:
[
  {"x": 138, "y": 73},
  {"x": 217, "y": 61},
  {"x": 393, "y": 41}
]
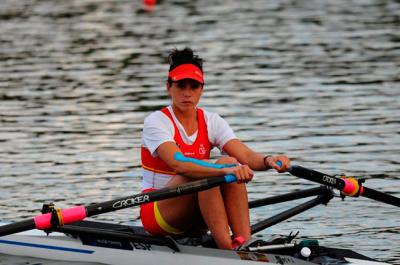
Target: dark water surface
[{"x": 317, "y": 80}]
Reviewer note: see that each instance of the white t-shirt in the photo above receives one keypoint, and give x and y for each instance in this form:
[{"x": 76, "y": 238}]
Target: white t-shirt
[{"x": 159, "y": 129}]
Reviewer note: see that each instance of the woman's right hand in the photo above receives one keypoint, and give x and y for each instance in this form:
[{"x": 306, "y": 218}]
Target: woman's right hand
[{"x": 243, "y": 173}]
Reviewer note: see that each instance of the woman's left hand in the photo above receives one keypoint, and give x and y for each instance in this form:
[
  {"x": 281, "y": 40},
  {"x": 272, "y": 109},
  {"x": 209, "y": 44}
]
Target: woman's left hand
[
  {"x": 284, "y": 162},
  {"x": 243, "y": 173}
]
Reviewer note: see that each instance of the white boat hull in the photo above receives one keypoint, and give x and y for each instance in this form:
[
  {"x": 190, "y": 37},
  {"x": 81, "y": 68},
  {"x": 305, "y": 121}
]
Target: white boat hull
[{"x": 57, "y": 246}]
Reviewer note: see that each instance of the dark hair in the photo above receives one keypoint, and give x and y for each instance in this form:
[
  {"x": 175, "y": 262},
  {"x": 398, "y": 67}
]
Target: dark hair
[{"x": 185, "y": 56}]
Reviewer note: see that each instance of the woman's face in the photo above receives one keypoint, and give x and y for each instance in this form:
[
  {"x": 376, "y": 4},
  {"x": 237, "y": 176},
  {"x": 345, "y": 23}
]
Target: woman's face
[{"x": 185, "y": 93}]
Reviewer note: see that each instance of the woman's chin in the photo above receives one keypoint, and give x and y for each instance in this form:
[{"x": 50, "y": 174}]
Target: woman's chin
[{"x": 186, "y": 106}]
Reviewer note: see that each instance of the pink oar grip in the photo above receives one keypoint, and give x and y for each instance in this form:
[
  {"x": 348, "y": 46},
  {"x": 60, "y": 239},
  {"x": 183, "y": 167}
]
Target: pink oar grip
[
  {"x": 74, "y": 214},
  {"x": 43, "y": 221},
  {"x": 70, "y": 215}
]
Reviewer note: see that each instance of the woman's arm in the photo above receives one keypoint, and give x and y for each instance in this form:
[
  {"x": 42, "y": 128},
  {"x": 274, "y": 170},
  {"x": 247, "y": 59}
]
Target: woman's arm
[
  {"x": 167, "y": 150},
  {"x": 256, "y": 161}
]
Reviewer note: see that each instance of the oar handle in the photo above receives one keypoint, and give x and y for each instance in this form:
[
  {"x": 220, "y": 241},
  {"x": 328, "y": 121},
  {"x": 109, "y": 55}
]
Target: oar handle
[
  {"x": 342, "y": 184},
  {"x": 349, "y": 186},
  {"x": 316, "y": 176}
]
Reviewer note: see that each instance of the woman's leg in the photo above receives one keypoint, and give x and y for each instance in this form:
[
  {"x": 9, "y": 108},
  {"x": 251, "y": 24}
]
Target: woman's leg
[
  {"x": 237, "y": 209},
  {"x": 183, "y": 211},
  {"x": 212, "y": 208},
  {"x": 229, "y": 209},
  {"x": 226, "y": 209},
  {"x": 236, "y": 204},
  {"x": 188, "y": 212},
  {"x": 219, "y": 210}
]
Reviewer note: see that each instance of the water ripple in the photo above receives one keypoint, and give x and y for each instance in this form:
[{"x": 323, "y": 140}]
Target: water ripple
[{"x": 316, "y": 80}]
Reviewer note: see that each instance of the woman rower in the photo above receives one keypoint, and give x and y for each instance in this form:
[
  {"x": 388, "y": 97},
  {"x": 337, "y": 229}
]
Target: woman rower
[{"x": 183, "y": 127}]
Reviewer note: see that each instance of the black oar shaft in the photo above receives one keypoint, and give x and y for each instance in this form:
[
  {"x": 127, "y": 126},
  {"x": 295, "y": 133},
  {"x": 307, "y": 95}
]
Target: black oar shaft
[
  {"x": 156, "y": 195},
  {"x": 380, "y": 196},
  {"x": 340, "y": 184},
  {"x": 17, "y": 227},
  {"x": 289, "y": 196},
  {"x": 316, "y": 176},
  {"x": 321, "y": 199},
  {"x": 78, "y": 213}
]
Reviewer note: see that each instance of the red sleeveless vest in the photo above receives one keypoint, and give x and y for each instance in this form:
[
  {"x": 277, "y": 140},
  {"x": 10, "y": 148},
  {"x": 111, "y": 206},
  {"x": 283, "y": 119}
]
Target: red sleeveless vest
[{"x": 200, "y": 149}]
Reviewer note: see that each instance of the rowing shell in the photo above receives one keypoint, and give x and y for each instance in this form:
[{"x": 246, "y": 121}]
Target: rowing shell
[{"x": 122, "y": 245}]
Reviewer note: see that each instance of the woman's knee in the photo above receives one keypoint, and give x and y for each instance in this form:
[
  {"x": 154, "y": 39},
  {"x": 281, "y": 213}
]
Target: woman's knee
[
  {"x": 237, "y": 188},
  {"x": 227, "y": 160},
  {"x": 178, "y": 180}
]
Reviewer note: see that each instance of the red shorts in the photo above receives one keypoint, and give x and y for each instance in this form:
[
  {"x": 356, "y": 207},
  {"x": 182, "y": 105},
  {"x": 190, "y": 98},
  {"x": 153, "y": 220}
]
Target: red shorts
[{"x": 152, "y": 220}]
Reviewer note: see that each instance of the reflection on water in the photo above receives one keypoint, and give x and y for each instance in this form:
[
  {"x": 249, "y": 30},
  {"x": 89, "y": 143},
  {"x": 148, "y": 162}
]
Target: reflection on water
[{"x": 316, "y": 80}]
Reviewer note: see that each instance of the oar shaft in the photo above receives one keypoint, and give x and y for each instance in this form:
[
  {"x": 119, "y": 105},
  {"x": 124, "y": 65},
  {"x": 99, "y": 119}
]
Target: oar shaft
[
  {"x": 289, "y": 196},
  {"x": 321, "y": 199},
  {"x": 380, "y": 196},
  {"x": 17, "y": 227},
  {"x": 157, "y": 195},
  {"x": 165, "y": 193},
  {"x": 79, "y": 213},
  {"x": 318, "y": 177},
  {"x": 342, "y": 185}
]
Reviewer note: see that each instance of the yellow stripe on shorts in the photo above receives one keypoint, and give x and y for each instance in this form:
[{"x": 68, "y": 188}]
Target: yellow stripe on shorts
[{"x": 163, "y": 224}]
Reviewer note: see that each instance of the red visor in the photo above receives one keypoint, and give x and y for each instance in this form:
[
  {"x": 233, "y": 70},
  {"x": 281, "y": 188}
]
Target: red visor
[{"x": 184, "y": 71}]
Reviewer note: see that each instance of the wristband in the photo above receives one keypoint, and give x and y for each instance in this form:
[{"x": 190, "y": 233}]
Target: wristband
[{"x": 266, "y": 165}]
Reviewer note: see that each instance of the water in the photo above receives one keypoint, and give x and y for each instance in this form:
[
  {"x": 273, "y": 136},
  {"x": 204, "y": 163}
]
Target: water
[{"x": 316, "y": 80}]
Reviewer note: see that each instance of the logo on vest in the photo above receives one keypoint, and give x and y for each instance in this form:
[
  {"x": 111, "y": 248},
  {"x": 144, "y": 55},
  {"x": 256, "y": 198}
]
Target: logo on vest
[{"x": 202, "y": 150}]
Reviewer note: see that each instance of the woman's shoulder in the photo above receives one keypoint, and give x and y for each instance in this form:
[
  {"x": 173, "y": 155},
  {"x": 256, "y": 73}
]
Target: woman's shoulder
[
  {"x": 211, "y": 115},
  {"x": 156, "y": 117}
]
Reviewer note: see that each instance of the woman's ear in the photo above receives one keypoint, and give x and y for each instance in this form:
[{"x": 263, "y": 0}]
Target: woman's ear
[{"x": 167, "y": 87}]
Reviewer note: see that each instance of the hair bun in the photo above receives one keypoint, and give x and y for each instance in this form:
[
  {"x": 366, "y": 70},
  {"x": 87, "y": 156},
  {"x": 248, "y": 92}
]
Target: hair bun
[{"x": 184, "y": 56}]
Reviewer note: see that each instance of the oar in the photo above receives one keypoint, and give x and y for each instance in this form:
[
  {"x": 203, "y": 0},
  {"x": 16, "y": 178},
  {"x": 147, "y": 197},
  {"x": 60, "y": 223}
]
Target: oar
[
  {"x": 60, "y": 217},
  {"x": 345, "y": 185}
]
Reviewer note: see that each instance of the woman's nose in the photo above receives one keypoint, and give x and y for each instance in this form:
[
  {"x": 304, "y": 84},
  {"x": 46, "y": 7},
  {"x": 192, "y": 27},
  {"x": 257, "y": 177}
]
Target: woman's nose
[{"x": 187, "y": 91}]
